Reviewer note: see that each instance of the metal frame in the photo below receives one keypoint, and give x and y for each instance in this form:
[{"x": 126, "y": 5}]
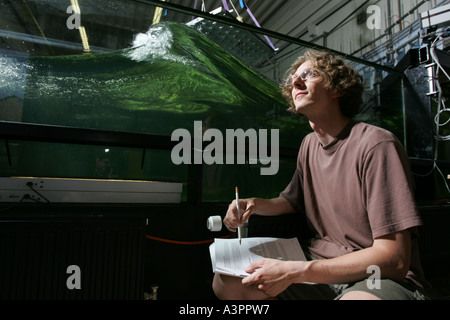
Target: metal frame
[{"x": 269, "y": 33}]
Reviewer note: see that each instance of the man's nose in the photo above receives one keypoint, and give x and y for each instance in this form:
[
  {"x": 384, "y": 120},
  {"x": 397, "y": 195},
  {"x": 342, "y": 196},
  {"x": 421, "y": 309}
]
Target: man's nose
[{"x": 299, "y": 83}]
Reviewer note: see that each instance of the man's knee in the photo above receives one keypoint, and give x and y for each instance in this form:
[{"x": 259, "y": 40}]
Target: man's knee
[
  {"x": 231, "y": 288},
  {"x": 226, "y": 287},
  {"x": 358, "y": 295},
  {"x": 217, "y": 286}
]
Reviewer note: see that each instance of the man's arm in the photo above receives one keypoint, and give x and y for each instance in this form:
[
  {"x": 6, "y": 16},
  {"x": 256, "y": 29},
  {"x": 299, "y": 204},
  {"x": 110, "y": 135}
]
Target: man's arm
[
  {"x": 265, "y": 207},
  {"x": 391, "y": 253}
]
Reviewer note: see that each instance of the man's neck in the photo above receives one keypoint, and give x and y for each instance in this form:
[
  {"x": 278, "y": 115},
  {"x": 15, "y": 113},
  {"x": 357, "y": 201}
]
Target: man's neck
[{"x": 327, "y": 129}]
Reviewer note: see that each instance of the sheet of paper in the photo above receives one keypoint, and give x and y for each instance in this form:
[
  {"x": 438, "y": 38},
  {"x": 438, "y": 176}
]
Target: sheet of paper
[{"x": 230, "y": 258}]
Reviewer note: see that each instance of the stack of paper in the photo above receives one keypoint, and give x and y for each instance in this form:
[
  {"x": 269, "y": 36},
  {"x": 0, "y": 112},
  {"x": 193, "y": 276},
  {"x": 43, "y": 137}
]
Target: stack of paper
[{"x": 231, "y": 258}]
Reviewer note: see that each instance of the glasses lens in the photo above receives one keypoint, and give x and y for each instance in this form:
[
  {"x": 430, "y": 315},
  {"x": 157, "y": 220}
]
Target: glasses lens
[
  {"x": 306, "y": 75},
  {"x": 290, "y": 80}
]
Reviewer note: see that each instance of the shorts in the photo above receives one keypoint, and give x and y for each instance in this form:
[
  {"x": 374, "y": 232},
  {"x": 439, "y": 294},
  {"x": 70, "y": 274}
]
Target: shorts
[{"x": 387, "y": 290}]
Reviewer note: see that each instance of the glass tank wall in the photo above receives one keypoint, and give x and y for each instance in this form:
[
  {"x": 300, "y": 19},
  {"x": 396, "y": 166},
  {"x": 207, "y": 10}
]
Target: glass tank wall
[{"x": 110, "y": 68}]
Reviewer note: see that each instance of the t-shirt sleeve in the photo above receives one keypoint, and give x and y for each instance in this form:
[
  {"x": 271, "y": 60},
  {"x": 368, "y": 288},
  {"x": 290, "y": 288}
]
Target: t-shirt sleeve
[
  {"x": 388, "y": 190},
  {"x": 293, "y": 193}
]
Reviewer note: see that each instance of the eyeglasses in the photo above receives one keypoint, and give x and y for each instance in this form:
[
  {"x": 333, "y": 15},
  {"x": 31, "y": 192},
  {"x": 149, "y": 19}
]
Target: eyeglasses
[{"x": 305, "y": 75}]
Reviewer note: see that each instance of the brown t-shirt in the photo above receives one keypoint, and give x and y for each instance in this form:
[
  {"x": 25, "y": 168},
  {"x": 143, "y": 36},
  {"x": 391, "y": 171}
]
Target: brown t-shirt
[{"x": 354, "y": 190}]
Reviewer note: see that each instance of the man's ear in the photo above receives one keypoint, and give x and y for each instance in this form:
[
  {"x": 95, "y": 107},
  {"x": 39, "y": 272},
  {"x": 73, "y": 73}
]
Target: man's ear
[{"x": 335, "y": 94}]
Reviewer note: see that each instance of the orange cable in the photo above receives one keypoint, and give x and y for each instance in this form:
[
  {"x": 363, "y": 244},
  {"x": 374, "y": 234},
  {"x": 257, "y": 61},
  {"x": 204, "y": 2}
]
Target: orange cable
[
  {"x": 182, "y": 242},
  {"x": 441, "y": 201}
]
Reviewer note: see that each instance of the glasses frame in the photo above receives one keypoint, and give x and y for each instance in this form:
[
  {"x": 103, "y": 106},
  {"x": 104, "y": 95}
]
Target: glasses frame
[{"x": 304, "y": 76}]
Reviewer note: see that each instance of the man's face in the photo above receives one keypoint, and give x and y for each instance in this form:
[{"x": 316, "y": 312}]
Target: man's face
[{"x": 309, "y": 94}]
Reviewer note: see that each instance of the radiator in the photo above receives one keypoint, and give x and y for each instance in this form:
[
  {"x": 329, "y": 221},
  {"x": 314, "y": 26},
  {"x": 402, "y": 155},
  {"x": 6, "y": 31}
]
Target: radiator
[{"x": 71, "y": 258}]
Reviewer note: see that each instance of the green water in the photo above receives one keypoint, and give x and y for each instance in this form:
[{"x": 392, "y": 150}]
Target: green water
[{"x": 165, "y": 84}]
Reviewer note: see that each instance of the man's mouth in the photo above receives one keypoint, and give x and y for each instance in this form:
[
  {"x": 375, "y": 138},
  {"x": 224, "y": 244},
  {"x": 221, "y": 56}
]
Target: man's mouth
[{"x": 300, "y": 94}]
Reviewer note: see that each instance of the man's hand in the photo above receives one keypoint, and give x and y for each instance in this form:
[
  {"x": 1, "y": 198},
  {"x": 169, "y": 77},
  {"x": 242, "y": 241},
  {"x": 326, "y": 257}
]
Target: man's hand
[
  {"x": 272, "y": 276},
  {"x": 264, "y": 207},
  {"x": 247, "y": 207}
]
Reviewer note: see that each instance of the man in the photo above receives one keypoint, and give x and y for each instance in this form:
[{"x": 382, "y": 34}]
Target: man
[{"x": 353, "y": 183}]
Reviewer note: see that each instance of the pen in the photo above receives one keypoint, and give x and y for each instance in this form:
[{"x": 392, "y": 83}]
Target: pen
[{"x": 238, "y": 214}]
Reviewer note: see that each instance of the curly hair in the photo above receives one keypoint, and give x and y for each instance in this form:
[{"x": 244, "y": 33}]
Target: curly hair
[{"x": 338, "y": 77}]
